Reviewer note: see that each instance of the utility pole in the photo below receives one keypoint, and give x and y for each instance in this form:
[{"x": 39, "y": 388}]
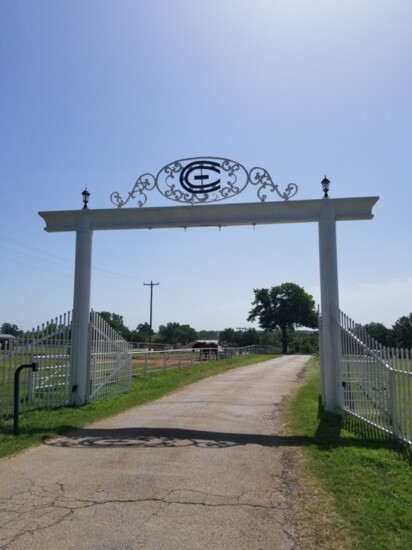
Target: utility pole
[{"x": 151, "y": 284}]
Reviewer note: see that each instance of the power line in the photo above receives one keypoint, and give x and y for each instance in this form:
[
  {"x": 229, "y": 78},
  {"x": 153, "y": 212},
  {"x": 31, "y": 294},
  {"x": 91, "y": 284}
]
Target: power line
[
  {"x": 39, "y": 251},
  {"x": 151, "y": 284}
]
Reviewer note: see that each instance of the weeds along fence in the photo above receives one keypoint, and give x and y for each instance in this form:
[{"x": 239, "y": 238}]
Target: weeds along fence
[
  {"x": 376, "y": 381},
  {"x": 145, "y": 362}
]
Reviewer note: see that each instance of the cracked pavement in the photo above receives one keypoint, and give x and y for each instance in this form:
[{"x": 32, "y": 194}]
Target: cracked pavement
[{"x": 202, "y": 468}]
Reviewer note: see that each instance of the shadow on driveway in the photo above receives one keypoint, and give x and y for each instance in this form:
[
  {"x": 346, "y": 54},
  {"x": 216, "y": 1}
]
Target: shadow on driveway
[{"x": 163, "y": 438}]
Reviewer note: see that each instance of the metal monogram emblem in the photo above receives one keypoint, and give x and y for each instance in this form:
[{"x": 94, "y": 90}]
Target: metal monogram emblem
[
  {"x": 195, "y": 176},
  {"x": 203, "y": 180}
]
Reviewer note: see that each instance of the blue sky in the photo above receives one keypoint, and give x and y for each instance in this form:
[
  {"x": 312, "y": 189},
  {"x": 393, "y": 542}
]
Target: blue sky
[{"x": 96, "y": 92}]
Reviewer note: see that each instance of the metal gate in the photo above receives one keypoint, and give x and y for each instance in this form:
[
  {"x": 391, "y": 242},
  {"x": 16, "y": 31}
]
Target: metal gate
[
  {"x": 49, "y": 346},
  {"x": 110, "y": 360},
  {"x": 377, "y": 381}
]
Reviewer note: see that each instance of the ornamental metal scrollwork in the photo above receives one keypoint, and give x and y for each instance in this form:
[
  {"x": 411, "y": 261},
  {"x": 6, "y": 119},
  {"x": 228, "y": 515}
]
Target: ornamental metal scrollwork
[
  {"x": 203, "y": 180},
  {"x": 261, "y": 177},
  {"x": 146, "y": 182}
]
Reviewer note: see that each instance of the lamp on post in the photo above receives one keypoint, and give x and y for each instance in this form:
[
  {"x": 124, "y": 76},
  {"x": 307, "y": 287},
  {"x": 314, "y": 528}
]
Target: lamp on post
[
  {"x": 325, "y": 186},
  {"x": 85, "y": 195}
]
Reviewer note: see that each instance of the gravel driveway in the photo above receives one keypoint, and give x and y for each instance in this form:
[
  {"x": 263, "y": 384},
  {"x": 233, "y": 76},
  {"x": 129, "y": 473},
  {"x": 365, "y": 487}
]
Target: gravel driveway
[{"x": 202, "y": 468}]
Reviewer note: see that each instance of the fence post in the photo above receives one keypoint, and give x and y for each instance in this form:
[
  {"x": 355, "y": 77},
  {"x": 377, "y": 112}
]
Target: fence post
[
  {"x": 79, "y": 360},
  {"x": 331, "y": 351}
]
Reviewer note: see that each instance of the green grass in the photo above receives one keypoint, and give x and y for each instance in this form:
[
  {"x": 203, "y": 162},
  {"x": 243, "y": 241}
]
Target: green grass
[
  {"x": 36, "y": 426},
  {"x": 368, "y": 475}
]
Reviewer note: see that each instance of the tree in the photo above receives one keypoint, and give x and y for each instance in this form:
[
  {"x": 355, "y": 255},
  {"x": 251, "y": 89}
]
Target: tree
[
  {"x": 380, "y": 333},
  {"x": 142, "y": 333},
  {"x": 228, "y": 337},
  {"x": 248, "y": 337},
  {"x": 268, "y": 338},
  {"x": 402, "y": 332},
  {"x": 285, "y": 307},
  {"x": 304, "y": 342},
  {"x": 208, "y": 335},
  {"x": 174, "y": 333},
  {"x": 116, "y": 322},
  {"x": 9, "y": 328}
]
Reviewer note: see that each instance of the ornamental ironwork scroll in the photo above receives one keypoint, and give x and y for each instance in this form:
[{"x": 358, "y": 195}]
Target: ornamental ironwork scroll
[{"x": 203, "y": 180}]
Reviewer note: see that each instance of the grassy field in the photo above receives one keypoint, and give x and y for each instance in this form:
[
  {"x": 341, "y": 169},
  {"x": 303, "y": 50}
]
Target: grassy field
[
  {"x": 36, "y": 426},
  {"x": 368, "y": 476}
]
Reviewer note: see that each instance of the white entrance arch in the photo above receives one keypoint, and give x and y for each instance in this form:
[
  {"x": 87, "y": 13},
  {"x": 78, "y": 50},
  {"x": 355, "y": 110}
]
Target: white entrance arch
[
  {"x": 326, "y": 212},
  {"x": 210, "y": 179}
]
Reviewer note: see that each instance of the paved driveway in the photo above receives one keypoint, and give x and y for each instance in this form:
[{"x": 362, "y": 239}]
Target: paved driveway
[{"x": 199, "y": 469}]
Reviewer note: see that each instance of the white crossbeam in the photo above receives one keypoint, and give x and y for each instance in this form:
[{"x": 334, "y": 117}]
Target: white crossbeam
[{"x": 214, "y": 215}]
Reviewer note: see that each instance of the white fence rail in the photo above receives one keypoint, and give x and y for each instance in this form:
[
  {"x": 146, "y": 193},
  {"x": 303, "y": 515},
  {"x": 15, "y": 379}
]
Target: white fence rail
[
  {"x": 376, "y": 381},
  {"x": 145, "y": 362}
]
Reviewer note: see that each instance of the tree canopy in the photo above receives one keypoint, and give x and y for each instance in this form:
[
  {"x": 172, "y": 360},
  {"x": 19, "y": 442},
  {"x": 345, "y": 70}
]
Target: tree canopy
[
  {"x": 143, "y": 333},
  {"x": 402, "y": 332},
  {"x": 242, "y": 337},
  {"x": 174, "y": 333},
  {"x": 285, "y": 307},
  {"x": 10, "y": 328},
  {"x": 399, "y": 336},
  {"x": 380, "y": 333},
  {"x": 116, "y": 322}
]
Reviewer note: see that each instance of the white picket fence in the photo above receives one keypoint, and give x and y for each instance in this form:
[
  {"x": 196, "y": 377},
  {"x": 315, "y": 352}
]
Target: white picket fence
[
  {"x": 49, "y": 346},
  {"x": 376, "y": 381}
]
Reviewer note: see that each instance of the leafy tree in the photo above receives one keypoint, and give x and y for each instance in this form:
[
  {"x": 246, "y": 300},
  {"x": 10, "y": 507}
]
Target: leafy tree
[
  {"x": 304, "y": 342},
  {"x": 116, "y": 322},
  {"x": 208, "y": 335},
  {"x": 402, "y": 332},
  {"x": 268, "y": 338},
  {"x": 239, "y": 338},
  {"x": 228, "y": 337},
  {"x": 174, "y": 333},
  {"x": 380, "y": 333},
  {"x": 249, "y": 337},
  {"x": 143, "y": 333},
  {"x": 9, "y": 328},
  {"x": 285, "y": 307}
]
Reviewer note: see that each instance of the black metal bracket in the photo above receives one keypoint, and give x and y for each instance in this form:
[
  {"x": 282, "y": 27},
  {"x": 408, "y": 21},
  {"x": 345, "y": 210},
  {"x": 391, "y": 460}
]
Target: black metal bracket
[{"x": 34, "y": 368}]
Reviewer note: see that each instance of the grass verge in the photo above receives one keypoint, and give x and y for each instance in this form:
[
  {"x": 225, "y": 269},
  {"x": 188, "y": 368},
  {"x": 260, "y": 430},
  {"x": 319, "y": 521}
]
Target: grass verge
[
  {"x": 367, "y": 475},
  {"x": 36, "y": 426}
]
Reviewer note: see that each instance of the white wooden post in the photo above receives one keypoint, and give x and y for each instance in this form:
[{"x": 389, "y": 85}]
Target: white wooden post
[
  {"x": 80, "y": 350},
  {"x": 330, "y": 353}
]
